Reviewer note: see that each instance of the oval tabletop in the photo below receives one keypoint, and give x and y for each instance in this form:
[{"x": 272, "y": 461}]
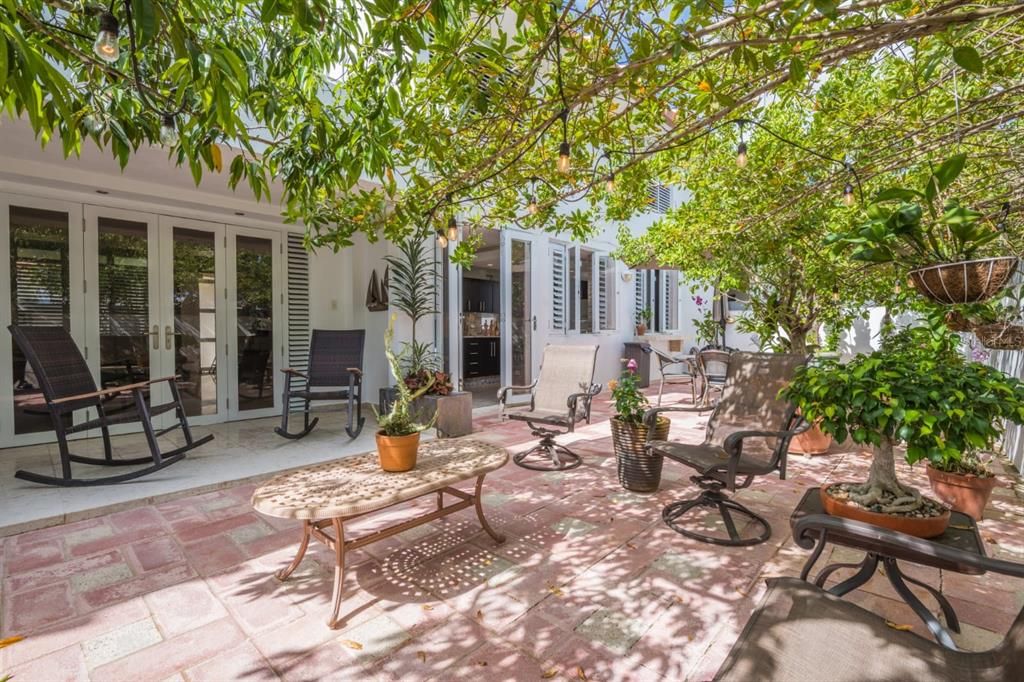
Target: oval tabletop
[{"x": 356, "y": 485}]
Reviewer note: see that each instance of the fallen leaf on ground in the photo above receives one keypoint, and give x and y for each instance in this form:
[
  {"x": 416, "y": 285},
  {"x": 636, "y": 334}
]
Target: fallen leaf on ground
[
  {"x": 480, "y": 615},
  {"x": 580, "y": 674},
  {"x": 899, "y": 626},
  {"x": 548, "y": 674},
  {"x": 422, "y": 655},
  {"x": 630, "y": 545},
  {"x": 427, "y": 607},
  {"x": 555, "y": 590},
  {"x": 352, "y": 644},
  {"x": 10, "y": 640},
  {"x": 481, "y": 663}
]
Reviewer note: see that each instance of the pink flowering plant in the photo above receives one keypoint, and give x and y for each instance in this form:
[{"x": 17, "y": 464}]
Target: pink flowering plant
[{"x": 630, "y": 403}]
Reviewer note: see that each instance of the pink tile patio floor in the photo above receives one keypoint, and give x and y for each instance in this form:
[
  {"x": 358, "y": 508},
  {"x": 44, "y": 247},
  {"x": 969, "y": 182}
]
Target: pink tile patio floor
[{"x": 590, "y": 584}]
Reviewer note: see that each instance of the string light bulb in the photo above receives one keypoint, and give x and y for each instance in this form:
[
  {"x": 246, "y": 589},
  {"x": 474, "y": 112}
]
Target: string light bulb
[
  {"x": 835, "y": 294},
  {"x": 609, "y": 183},
  {"x": 671, "y": 116},
  {"x": 848, "y": 198},
  {"x": 168, "y": 131},
  {"x": 453, "y": 229},
  {"x": 741, "y": 155},
  {"x": 563, "y": 158},
  {"x": 532, "y": 208},
  {"x": 442, "y": 240},
  {"x": 106, "y": 46}
]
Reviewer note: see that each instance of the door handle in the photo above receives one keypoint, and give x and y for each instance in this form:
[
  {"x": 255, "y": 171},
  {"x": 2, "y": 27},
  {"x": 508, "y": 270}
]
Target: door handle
[
  {"x": 168, "y": 338},
  {"x": 156, "y": 336},
  {"x": 534, "y": 323}
]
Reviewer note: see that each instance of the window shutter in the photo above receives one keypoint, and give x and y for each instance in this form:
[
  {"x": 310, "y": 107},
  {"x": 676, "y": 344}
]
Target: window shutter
[
  {"x": 558, "y": 288},
  {"x": 298, "y": 310},
  {"x": 659, "y": 197}
]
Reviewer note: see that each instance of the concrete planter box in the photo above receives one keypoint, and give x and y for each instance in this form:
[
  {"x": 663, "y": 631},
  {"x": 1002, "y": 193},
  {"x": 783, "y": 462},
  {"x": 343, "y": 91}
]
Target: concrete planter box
[{"x": 454, "y": 411}]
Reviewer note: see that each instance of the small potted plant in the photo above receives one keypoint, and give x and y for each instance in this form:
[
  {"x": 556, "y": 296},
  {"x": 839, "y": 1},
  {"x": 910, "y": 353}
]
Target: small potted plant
[
  {"x": 643, "y": 319},
  {"x": 639, "y": 470},
  {"x": 398, "y": 432},
  {"x": 919, "y": 390},
  {"x": 964, "y": 482},
  {"x": 951, "y": 251}
]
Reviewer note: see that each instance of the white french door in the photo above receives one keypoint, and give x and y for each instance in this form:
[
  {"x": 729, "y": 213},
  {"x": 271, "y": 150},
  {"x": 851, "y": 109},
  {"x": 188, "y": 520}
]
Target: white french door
[
  {"x": 254, "y": 322},
  {"x": 42, "y": 271},
  {"x": 520, "y": 288},
  {"x": 193, "y": 315}
]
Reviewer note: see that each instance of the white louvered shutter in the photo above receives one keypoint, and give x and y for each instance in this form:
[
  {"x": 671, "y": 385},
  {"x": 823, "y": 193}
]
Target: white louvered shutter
[{"x": 298, "y": 310}]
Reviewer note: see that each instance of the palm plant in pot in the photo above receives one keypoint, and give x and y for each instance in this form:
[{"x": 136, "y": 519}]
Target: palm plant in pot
[
  {"x": 639, "y": 470},
  {"x": 950, "y": 249},
  {"x": 917, "y": 390},
  {"x": 398, "y": 432}
]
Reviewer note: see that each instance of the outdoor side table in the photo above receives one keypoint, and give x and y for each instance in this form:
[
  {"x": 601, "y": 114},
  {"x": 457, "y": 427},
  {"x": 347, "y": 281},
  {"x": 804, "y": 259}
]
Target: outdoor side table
[
  {"x": 813, "y": 528},
  {"x": 329, "y": 494}
]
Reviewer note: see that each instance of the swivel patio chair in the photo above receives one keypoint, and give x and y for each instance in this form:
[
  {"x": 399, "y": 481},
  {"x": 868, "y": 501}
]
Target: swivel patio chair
[
  {"x": 676, "y": 371},
  {"x": 559, "y": 399},
  {"x": 747, "y": 435},
  {"x": 799, "y": 626},
  {"x": 335, "y": 361},
  {"x": 68, "y": 386},
  {"x": 713, "y": 366}
]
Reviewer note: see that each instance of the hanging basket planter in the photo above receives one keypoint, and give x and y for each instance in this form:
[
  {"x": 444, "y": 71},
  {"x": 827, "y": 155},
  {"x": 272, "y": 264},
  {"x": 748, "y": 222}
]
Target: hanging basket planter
[
  {"x": 1001, "y": 336},
  {"x": 965, "y": 281}
]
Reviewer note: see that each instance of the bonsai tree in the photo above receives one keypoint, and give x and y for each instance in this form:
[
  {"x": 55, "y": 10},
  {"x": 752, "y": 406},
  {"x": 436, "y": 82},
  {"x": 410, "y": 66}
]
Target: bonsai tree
[
  {"x": 399, "y": 420},
  {"x": 907, "y": 226},
  {"x": 917, "y": 390}
]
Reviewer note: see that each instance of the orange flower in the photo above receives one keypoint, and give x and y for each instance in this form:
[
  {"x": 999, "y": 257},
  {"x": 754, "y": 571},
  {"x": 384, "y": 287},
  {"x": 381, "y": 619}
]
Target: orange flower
[
  {"x": 612, "y": 384},
  {"x": 704, "y": 86}
]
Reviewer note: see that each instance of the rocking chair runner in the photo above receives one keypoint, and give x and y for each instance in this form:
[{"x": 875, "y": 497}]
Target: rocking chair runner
[
  {"x": 335, "y": 360},
  {"x": 67, "y": 386}
]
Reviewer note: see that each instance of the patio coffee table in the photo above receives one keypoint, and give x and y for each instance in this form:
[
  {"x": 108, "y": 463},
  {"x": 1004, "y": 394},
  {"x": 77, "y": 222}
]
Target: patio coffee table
[
  {"x": 812, "y": 527},
  {"x": 329, "y": 494}
]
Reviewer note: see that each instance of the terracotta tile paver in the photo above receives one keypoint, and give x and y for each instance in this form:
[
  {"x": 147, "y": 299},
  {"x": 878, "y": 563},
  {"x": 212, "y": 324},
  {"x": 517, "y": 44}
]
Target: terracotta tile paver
[{"x": 589, "y": 585}]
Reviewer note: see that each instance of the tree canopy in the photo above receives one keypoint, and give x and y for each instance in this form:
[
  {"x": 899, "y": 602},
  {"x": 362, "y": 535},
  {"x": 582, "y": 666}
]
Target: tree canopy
[{"x": 387, "y": 116}]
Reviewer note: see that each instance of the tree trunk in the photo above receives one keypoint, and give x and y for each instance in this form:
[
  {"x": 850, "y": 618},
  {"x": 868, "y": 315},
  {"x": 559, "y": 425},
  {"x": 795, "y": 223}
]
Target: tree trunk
[
  {"x": 882, "y": 481},
  {"x": 797, "y": 341}
]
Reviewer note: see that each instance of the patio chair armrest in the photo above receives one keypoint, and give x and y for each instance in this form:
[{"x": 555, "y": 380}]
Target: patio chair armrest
[
  {"x": 112, "y": 390},
  {"x": 505, "y": 390},
  {"x": 808, "y": 530},
  {"x": 651, "y": 415},
  {"x": 294, "y": 372},
  {"x": 572, "y": 402},
  {"x": 734, "y": 441}
]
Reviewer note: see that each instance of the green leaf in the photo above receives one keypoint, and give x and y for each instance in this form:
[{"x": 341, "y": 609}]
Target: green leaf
[
  {"x": 968, "y": 58},
  {"x": 797, "y": 71},
  {"x": 826, "y": 7},
  {"x": 949, "y": 170},
  {"x": 147, "y": 22}
]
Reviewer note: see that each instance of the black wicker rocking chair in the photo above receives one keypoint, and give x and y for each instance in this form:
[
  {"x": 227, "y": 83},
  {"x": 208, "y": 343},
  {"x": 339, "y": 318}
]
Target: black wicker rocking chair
[
  {"x": 335, "y": 361},
  {"x": 68, "y": 386}
]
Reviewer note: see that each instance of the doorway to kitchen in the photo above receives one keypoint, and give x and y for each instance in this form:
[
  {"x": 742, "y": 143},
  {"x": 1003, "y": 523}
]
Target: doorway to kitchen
[{"x": 481, "y": 318}]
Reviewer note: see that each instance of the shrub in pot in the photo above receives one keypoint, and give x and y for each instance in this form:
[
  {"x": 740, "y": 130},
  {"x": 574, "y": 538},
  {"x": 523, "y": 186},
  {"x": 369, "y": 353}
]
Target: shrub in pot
[
  {"x": 398, "y": 432},
  {"x": 643, "y": 319},
  {"x": 639, "y": 470},
  {"x": 965, "y": 483},
  {"x": 917, "y": 389}
]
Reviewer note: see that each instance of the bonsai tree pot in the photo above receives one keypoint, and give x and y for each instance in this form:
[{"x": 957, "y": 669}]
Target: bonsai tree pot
[
  {"x": 639, "y": 470},
  {"x": 967, "y": 493},
  {"x": 922, "y": 527},
  {"x": 397, "y": 453}
]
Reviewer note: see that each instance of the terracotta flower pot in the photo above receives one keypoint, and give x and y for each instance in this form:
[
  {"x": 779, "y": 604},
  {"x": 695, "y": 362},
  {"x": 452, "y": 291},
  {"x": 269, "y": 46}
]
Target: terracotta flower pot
[
  {"x": 641, "y": 329},
  {"x": 813, "y": 441},
  {"x": 639, "y": 471},
  {"x": 397, "y": 453},
  {"x": 927, "y": 527},
  {"x": 966, "y": 493}
]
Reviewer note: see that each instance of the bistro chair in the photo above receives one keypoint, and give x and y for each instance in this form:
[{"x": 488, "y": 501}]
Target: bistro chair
[
  {"x": 676, "y": 371},
  {"x": 68, "y": 386},
  {"x": 793, "y": 633},
  {"x": 747, "y": 435},
  {"x": 335, "y": 362},
  {"x": 713, "y": 366},
  {"x": 560, "y": 398}
]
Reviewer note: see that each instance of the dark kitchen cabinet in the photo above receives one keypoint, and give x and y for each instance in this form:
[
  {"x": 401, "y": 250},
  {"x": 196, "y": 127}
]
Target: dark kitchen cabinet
[
  {"x": 481, "y": 356},
  {"x": 480, "y": 296}
]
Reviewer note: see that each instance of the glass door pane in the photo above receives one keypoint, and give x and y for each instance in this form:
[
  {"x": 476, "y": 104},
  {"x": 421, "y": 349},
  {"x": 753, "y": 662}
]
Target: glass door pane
[
  {"x": 123, "y": 292},
  {"x": 40, "y": 295},
  {"x": 521, "y": 310},
  {"x": 254, "y": 322},
  {"x": 195, "y": 314}
]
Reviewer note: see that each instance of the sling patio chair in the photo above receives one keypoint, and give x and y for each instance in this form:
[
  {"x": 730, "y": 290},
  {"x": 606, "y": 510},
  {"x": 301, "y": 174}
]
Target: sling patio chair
[
  {"x": 747, "y": 435},
  {"x": 800, "y": 627},
  {"x": 68, "y": 386},
  {"x": 335, "y": 361},
  {"x": 713, "y": 366},
  {"x": 677, "y": 371},
  {"x": 560, "y": 397}
]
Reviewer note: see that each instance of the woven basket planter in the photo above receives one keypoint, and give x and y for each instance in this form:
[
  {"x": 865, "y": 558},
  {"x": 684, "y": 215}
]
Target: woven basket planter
[
  {"x": 966, "y": 281},
  {"x": 638, "y": 470},
  {"x": 1001, "y": 336}
]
